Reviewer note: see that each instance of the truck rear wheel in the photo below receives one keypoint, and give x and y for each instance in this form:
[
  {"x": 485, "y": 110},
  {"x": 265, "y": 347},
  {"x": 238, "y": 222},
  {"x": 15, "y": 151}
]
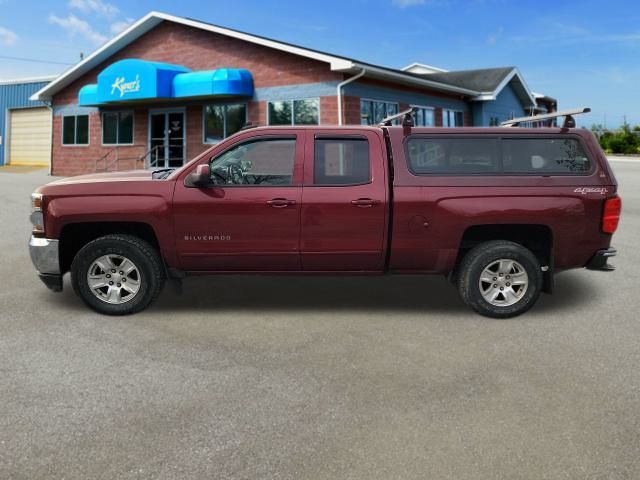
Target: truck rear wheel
[
  {"x": 117, "y": 274},
  {"x": 500, "y": 279}
]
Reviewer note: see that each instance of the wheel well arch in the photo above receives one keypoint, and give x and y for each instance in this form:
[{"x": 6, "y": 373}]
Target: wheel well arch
[
  {"x": 76, "y": 235},
  {"x": 536, "y": 237}
]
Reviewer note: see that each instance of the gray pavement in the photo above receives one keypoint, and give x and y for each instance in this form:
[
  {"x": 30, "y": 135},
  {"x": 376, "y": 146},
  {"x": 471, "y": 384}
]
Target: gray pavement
[{"x": 320, "y": 378}]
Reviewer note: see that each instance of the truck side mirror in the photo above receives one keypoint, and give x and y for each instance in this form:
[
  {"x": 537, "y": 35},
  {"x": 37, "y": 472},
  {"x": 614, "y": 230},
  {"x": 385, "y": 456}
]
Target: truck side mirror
[{"x": 200, "y": 177}]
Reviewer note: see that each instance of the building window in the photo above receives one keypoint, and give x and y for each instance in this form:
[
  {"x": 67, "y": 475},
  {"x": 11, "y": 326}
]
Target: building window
[
  {"x": 423, "y": 116},
  {"x": 117, "y": 128},
  {"x": 75, "y": 130},
  {"x": 221, "y": 121},
  {"x": 372, "y": 112},
  {"x": 341, "y": 161},
  {"x": 452, "y": 118},
  {"x": 295, "y": 112}
]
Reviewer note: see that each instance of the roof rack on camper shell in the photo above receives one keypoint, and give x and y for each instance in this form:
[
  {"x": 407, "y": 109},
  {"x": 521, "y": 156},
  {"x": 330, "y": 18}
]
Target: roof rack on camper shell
[
  {"x": 406, "y": 115},
  {"x": 569, "y": 121}
]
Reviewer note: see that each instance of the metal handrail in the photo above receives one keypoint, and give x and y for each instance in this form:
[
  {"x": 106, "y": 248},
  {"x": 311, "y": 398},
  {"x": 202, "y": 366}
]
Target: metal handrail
[
  {"x": 107, "y": 165},
  {"x": 103, "y": 158},
  {"x": 144, "y": 157}
]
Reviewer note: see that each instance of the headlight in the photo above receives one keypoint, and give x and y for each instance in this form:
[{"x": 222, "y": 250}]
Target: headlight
[{"x": 37, "y": 217}]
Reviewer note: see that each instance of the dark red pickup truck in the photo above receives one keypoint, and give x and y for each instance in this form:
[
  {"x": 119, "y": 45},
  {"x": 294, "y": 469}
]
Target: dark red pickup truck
[{"x": 497, "y": 210}]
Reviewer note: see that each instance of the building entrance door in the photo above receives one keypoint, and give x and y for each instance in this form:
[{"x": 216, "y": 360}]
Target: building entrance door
[{"x": 166, "y": 139}]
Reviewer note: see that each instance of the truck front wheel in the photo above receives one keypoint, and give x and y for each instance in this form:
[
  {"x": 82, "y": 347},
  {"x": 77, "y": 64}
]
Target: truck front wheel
[
  {"x": 117, "y": 274},
  {"x": 500, "y": 279}
]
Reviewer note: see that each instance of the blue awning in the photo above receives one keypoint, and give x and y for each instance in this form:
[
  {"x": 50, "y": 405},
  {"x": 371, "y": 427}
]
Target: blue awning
[
  {"x": 224, "y": 81},
  {"x": 136, "y": 80}
]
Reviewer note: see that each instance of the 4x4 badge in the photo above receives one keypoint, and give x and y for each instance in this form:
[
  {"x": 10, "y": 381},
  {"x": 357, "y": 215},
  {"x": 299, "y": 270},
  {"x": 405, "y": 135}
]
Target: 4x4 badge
[{"x": 585, "y": 190}]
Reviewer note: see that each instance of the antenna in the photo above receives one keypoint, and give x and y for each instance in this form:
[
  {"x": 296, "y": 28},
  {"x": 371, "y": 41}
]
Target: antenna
[
  {"x": 569, "y": 121},
  {"x": 407, "y": 118}
]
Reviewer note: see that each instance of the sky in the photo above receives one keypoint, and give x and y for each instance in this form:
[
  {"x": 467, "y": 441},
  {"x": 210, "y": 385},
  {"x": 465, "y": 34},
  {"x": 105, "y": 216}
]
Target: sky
[{"x": 584, "y": 53}]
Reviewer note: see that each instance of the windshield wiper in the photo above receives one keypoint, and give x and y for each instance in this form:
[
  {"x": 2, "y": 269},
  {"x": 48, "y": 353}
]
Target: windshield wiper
[{"x": 161, "y": 173}]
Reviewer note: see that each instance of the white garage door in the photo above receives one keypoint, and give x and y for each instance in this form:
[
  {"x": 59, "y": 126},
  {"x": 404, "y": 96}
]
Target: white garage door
[{"x": 30, "y": 136}]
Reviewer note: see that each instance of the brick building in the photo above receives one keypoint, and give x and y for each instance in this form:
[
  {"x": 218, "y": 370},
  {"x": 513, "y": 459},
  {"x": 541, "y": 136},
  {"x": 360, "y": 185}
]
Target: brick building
[{"x": 165, "y": 89}]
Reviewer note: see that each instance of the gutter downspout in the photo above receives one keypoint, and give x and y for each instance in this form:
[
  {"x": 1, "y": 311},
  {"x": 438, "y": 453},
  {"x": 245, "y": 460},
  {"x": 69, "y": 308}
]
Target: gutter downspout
[
  {"x": 49, "y": 105},
  {"x": 339, "y": 89}
]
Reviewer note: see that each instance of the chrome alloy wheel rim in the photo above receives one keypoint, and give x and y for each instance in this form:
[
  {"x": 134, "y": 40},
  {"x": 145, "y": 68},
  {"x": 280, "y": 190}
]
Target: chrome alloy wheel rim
[
  {"x": 113, "y": 279},
  {"x": 503, "y": 282}
]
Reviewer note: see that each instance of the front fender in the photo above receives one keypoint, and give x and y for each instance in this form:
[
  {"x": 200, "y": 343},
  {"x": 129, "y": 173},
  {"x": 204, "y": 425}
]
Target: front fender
[{"x": 152, "y": 210}]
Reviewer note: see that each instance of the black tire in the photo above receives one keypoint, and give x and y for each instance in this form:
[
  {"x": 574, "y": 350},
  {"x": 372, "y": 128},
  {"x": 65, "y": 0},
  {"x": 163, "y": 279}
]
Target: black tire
[
  {"x": 146, "y": 259},
  {"x": 483, "y": 256}
]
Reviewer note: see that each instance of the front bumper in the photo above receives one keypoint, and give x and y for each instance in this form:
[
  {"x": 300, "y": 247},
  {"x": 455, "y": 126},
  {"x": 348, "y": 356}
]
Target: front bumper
[
  {"x": 599, "y": 260},
  {"x": 45, "y": 255}
]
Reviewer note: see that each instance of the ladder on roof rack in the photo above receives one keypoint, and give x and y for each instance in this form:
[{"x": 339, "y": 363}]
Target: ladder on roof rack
[{"x": 569, "y": 121}]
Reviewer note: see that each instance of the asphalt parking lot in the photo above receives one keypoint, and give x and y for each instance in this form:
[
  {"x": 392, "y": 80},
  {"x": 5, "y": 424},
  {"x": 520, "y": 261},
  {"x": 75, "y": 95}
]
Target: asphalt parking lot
[{"x": 320, "y": 378}]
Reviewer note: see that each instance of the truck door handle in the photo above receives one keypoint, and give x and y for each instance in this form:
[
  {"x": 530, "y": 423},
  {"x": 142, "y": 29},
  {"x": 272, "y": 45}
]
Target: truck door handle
[
  {"x": 280, "y": 202},
  {"x": 364, "y": 202}
]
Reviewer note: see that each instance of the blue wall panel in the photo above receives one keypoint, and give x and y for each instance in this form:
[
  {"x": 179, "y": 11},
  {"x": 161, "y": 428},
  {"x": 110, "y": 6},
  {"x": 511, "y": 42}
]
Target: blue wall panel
[
  {"x": 15, "y": 95},
  {"x": 505, "y": 107}
]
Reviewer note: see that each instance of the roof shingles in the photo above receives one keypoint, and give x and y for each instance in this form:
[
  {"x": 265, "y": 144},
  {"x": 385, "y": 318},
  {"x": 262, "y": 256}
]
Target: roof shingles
[{"x": 480, "y": 80}]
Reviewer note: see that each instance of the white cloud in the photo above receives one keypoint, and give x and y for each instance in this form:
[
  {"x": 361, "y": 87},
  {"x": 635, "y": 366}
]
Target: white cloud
[
  {"x": 95, "y": 6},
  {"x": 7, "y": 37},
  {"x": 493, "y": 37},
  {"x": 74, "y": 26},
  {"x": 407, "y": 3},
  {"x": 119, "y": 26}
]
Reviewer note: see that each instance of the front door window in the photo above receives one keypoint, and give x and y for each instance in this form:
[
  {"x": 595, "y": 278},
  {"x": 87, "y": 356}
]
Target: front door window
[
  {"x": 167, "y": 140},
  {"x": 258, "y": 162}
]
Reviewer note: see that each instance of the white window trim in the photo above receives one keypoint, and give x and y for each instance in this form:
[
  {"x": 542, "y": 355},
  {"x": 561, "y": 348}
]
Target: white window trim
[
  {"x": 454, "y": 111},
  {"x": 292, "y": 112},
  {"x": 204, "y": 119},
  {"x": 424, "y": 107},
  {"x": 75, "y": 128},
  {"x": 397, "y": 104},
  {"x": 133, "y": 126}
]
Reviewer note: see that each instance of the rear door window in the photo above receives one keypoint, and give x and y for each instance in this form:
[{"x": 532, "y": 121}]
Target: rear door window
[
  {"x": 341, "y": 161},
  {"x": 458, "y": 156},
  {"x": 544, "y": 156}
]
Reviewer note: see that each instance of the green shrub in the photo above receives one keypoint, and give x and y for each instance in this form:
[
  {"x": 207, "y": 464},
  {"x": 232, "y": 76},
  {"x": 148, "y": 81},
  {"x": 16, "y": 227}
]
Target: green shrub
[{"x": 623, "y": 141}]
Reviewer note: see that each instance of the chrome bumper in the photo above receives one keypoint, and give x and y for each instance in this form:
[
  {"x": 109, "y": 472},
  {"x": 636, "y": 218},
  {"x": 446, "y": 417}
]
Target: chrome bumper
[{"x": 45, "y": 255}]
